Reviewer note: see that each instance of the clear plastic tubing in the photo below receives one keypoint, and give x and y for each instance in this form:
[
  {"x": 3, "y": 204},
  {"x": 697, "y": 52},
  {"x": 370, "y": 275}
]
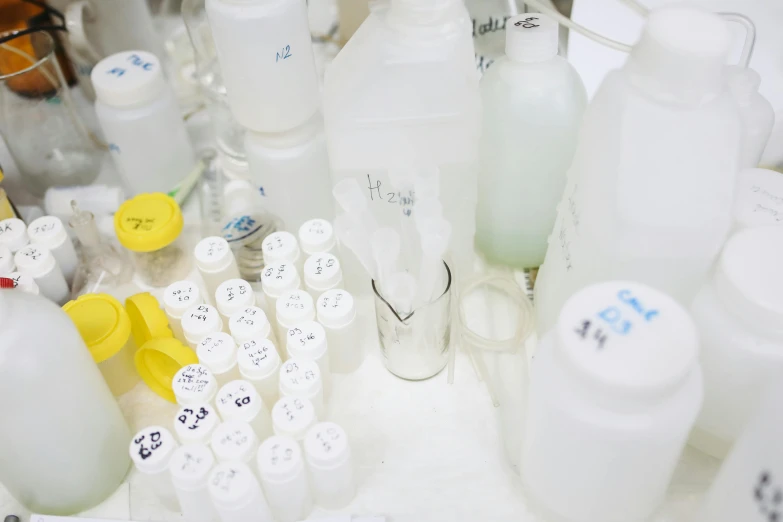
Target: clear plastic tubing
[
  {"x": 316, "y": 236},
  {"x": 49, "y": 231},
  {"x": 615, "y": 389},
  {"x": 218, "y": 352},
  {"x": 293, "y": 308},
  {"x": 322, "y": 272},
  {"x": 259, "y": 363},
  {"x": 302, "y": 378},
  {"x": 215, "y": 262},
  {"x": 239, "y": 400},
  {"x": 284, "y": 478},
  {"x": 308, "y": 341},
  {"x": 337, "y": 314},
  {"x": 190, "y": 467},
  {"x": 282, "y": 247},
  {"x": 232, "y": 296},
  {"x": 193, "y": 385},
  {"x": 38, "y": 262},
  {"x": 177, "y": 298},
  {"x": 266, "y": 60},
  {"x": 235, "y": 441},
  {"x": 138, "y": 113},
  {"x": 13, "y": 234},
  {"x": 236, "y": 494},
  {"x": 6, "y": 260},
  {"x": 249, "y": 323},
  {"x": 328, "y": 456},
  {"x": 195, "y": 424},
  {"x": 276, "y": 280},
  {"x": 200, "y": 321},
  {"x": 293, "y": 417},
  {"x": 151, "y": 450}
]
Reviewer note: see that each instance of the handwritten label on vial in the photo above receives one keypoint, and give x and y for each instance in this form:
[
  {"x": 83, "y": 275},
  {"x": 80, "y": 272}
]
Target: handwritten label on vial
[
  {"x": 292, "y": 408},
  {"x": 528, "y": 23},
  {"x": 236, "y": 398},
  {"x": 323, "y": 266},
  {"x": 193, "y": 419},
  {"x": 193, "y": 378},
  {"x": 150, "y": 441},
  {"x": 202, "y": 313},
  {"x": 233, "y": 439},
  {"x": 43, "y": 226},
  {"x": 234, "y": 291},
  {"x": 768, "y": 497},
  {"x": 183, "y": 294},
  {"x": 300, "y": 374},
  {"x": 335, "y": 303},
  {"x": 225, "y": 479},
  {"x": 615, "y": 319},
  {"x": 256, "y": 354},
  {"x": 317, "y": 227},
  {"x": 192, "y": 463},
  {"x": 32, "y": 253},
  {"x": 327, "y": 438},
  {"x": 212, "y": 248},
  {"x": 276, "y": 241}
]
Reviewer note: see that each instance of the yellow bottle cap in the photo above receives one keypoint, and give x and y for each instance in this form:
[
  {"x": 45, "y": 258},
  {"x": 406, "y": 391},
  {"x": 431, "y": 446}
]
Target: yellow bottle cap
[
  {"x": 148, "y": 222},
  {"x": 102, "y": 322},
  {"x": 159, "y": 360},
  {"x": 147, "y": 320}
]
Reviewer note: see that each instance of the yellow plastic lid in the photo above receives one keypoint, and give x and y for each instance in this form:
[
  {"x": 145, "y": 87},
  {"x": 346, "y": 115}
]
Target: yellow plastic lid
[
  {"x": 102, "y": 322},
  {"x": 159, "y": 360},
  {"x": 148, "y": 222},
  {"x": 147, "y": 320}
]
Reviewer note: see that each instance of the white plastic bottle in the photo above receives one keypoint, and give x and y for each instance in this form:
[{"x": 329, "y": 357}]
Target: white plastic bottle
[
  {"x": 758, "y": 116},
  {"x": 195, "y": 424},
  {"x": 650, "y": 190},
  {"x": 38, "y": 262},
  {"x": 293, "y": 308},
  {"x": 759, "y": 199},
  {"x": 151, "y": 450},
  {"x": 239, "y": 400},
  {"x": 308, "y": 341},
  {"x": 322, "y": 272},
  {"x": 235, "y": 441},
  {"x": 13, "y": 234},
  {"x": 194, "y": 384},
  {"x": 50, "y": 232},
  {"x": 232, "y": 296},
  {"x": 215, "y": 262},
  {"x": 282, "y": 247},
  {"x": 249, "y": 323},
  {"x": 177, "y": 298},
  {"x": 301, "y": 378},
  {"x": 403, "y": 93},
  {"x": 533, "y": 101},
  {"x": 266, "y": 60},
  {"x": 615, "y": 388},
  {"x": 337, "y": 314},
  {"x": 200, "y": 321},
  {"x": 259, "y": 364},
  {"x": 331, "y": 467},
  {"x": 140, "y": 118},
  {"x": 316, "y": 236},
  {"x": 284, "y": 478},
  {"x": 276, "y": 280},
  {"x": 45, "y": 370},
  {"x": 236, "y": 495},
  {"x": 739, "y": 313},
  {"x": 218, "y": 352},
  {"x": 293, "y": 417},
  {"x": 190, "y": 467}
]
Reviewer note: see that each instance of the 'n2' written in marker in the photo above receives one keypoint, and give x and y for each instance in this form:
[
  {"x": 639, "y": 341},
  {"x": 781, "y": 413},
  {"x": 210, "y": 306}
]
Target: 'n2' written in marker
[{"x": 284, "y": 54}]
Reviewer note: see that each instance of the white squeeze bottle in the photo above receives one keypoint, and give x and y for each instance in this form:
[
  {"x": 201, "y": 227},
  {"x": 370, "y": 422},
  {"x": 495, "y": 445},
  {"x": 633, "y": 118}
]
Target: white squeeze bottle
[
  {"x": 403, "y": 93},
  {"x": 533, "y": 102},
  {"x": 138, "y": 113},
  {"x": 758, "y": 115},
  {"x": 649, "y": 193}
]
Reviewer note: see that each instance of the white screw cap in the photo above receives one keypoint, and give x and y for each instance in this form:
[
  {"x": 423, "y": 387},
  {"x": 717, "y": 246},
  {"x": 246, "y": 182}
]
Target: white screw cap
[
  {"x": 128, "y": 78},
  {"x": 531, "y": 37}
]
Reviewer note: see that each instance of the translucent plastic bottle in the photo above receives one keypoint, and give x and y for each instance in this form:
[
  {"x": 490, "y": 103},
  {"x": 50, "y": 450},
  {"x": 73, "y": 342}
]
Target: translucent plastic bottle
[
  {"x": 293, "y": 417},
  {"x": 218, "y": 352},
  {"x": 215, "y": 262},
  {"x": 50, "y": 232},
  {"x": 259, "y": 364},
  {"x": 301, "y": 378},
  {"x": 38, "y": 262},
  {"x": 177, "y": 298},
  {"x": 533, "y": 102},
  {"x": 316, "y": 236},
  {"x": 195, "y": 424},
  {"x": 45, "y": 372},
  {"x": 239, "y": 400},
  {"x": 151, "y": 450},
  {"x": 284, "y": 478},
  {"x": 293, "y": 308},
  {"x": 190, "y": 467},
  {"x": 322, "y": 272},
  {"x": 650, "y": 190},
  {"x": 337, "y": 313},
  {"x": 328, "y": 455},
  {"x": 758, "y": 116},
  {"x": 759, "y": 199},
  {"x": 235, "y": 441},
  {"x": 236, "y": 494}
]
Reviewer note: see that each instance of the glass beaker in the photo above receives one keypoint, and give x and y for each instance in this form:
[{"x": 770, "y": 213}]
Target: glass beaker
[
  {"x": 416, "y": 346},
  {"x": 38, "y": 119}
]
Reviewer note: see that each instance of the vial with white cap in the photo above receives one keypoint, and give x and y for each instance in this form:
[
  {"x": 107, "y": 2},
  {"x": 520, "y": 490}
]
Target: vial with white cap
[
  {"x": 13, "y": 234},
  {"x": 758, "y": 200},
  {"x": 138, "y": 113},
  {"x": 193, "y": 385},
  {"x": 337, "y": 314},
  {"x": 6, "y": 260},
  {"x": 177, "y": 298},
  {"x": 291, "y": 309},
  {"x": 302, "y": 378},
  {"x": 38, "y": 262},
  {"x": 151, "y": 450},
  {"x": 200, "y": 321},
  {"x": 232, "y": 296},
  {"x": 239, "y": 400},
  {"x": 50, "y": 232},
  {"x": 308, "y": 341},
  {"x": 236, "y": 494},
  {"x": 316, "y": 236},
  {"x": 190, "y": 467},
  {"x": 259, "y": 363},
  {"x": 284, "y": 478},
  {"x": 195, "y": 424},
  {"x": 276, "y": 280},
  {"x": 215, "y": 262},
  {"x": 293, "y": 417},
  {"x": 235, "y": 441},
  {"x": 328, "y": 457},
  {"x": 615, "y": 387},
  {"x": 322, "y": 272},
  {"x": 218, "y": 352},
  {"x": 23, "y": 282},
  {"x": 249, "y": 323},
  {"x": 282, "y": 247}
]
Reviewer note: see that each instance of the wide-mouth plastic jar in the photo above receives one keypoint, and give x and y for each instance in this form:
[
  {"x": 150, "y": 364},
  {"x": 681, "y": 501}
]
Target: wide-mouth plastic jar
[{"x": 150, "y": 226}]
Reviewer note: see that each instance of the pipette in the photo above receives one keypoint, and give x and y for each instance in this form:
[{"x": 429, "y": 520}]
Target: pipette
[
  {"x": 385, "y": 244},
  {"x": 349, "y": 196},
  {"x": 434, "y": 236},
  {"x": 401, "y": 292},
  {"x": 355, "y": 238}
]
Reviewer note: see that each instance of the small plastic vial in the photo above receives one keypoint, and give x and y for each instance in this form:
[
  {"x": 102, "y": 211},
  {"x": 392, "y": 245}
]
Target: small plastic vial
[
  {"x": 200, "y": 321},
  {"x": 218, "y": 352},
  {"x": 281, "y": 247},
  {"x": 6, "y": 260},
  {"x": 308, "y": 341},
  {"x": 151, "y": 450},
  {"x": 293, "y": 417},
  {"x": 38, "y": 262},
  {"x": 276, "y": 280},
  {"x": 316, "y": 236},
  {"x": 249, "y": 323},
  {"x": 239, "y": 400},
  {"x": 50, "y": 232},
  {"x": 259, "y": 363},
  {"x": 302, "y": 378},
  {"x": 13, "y": 234},
  {"x": 328, "y": 456},
  {"x": 195, "y": 424},
  {"x": 193, "y": 385},
  {"x": 177, "y": 298},
  {"x": 236, "y": 494},
  {"x": 322, "y": 272},
  {"x": 25, "y": 283},
  {"x": 215, "y": 262},
  {"x": 232, "y": 296},
  {"x": 293, "y": 308},
  {"x": 190, "y": 467},
  {"x": 337, "y": 314},
  {"x": 284, "y": 478},
  {"x": 235, "y": 441}
]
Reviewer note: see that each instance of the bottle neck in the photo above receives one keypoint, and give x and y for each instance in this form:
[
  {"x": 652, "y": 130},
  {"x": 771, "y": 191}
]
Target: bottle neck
[{"x": 424, "y": 12}]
